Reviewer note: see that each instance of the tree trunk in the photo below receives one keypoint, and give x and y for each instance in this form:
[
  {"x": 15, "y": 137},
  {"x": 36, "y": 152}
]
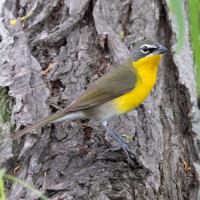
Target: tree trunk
[{"x": 80, "y": 41}]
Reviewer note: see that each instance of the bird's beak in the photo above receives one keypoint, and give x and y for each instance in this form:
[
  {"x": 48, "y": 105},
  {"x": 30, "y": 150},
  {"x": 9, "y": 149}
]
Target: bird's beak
[{"x": 161, "y": 49}]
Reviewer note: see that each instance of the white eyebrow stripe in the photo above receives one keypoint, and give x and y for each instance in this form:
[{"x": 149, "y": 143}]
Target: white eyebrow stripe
[{"x": 149, "y": 46}]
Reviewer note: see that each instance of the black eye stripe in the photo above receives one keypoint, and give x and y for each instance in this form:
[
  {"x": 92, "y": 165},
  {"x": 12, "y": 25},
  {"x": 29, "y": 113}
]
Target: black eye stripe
[
  {"x": 147, "y": 49},
  {"x": 152, "y": 49}
]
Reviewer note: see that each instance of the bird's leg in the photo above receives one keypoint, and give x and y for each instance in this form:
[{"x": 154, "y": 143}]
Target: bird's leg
[{"x": 121, "y": 142}]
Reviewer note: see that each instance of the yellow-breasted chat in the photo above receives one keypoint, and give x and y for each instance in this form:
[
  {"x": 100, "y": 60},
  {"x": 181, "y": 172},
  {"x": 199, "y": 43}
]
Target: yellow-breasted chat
[{"x": 119, "y": 91}]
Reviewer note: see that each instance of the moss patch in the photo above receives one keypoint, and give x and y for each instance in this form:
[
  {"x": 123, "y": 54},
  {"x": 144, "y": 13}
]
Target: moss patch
[{"x": 4, "y": 105}]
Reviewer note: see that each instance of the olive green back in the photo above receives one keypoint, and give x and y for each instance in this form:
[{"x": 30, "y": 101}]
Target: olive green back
[{"x": 115, "y": 83}]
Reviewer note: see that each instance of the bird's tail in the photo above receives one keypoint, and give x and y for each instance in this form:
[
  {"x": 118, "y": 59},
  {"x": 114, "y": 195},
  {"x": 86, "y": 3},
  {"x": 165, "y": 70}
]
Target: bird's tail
[{"x": 58, "y": 116}]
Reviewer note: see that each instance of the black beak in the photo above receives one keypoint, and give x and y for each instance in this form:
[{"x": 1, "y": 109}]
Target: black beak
[{"x": 161, "y": 49}]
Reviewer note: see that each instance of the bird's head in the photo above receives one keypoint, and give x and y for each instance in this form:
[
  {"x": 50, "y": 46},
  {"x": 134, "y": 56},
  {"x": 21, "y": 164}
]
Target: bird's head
[
  {"x": 147, "y": 53},
  {"x": 147, "y": 48}
]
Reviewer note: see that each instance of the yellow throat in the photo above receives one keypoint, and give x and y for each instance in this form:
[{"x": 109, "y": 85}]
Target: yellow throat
[{"x": 146, "y": 78}]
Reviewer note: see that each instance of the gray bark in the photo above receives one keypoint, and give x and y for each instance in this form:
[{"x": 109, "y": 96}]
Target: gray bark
[{"x": 69, "y": 160}]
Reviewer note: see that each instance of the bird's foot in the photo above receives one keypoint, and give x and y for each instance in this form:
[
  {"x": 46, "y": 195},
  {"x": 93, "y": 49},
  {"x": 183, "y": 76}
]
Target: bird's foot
[
  {"x": 125, "y": 147},
  {"x": 122, "y": 145}
]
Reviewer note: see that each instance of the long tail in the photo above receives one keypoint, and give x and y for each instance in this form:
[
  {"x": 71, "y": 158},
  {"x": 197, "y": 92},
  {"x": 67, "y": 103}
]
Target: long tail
[{"x": 58, "y": 116}]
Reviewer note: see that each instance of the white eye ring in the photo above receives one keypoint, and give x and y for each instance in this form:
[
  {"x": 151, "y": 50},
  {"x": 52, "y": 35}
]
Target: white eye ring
[{"x": 144, "y": 49}]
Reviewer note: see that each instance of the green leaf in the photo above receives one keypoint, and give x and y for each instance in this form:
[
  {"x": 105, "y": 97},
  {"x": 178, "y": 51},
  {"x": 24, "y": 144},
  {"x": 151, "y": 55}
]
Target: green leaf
[
  {"x": 177, "y": 9},
  {"x": 122, "y": 35},
  {"x": 24, "y": 184},
  {"x": 2, "y": 187},
  {"x": 194, "y": 11},
  {"x": 126, "y": 136}
]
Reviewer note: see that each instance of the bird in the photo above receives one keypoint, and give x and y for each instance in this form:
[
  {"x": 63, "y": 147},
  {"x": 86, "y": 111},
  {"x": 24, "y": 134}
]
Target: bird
[{"x": 115, "y": 93}]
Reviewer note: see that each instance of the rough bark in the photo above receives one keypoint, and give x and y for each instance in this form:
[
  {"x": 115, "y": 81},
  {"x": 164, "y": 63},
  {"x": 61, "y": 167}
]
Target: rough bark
[{"x": 69, "y": 160}]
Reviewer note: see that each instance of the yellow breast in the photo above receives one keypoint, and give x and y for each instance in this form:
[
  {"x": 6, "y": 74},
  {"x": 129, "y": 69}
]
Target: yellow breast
[{"x": 146, "y": 79}]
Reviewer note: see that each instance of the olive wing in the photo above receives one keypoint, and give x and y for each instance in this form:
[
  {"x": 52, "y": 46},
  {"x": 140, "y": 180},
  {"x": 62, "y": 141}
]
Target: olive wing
[{"x": 115, "y": 83}]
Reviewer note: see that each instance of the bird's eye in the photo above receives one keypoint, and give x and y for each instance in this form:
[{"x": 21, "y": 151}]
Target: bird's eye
[{"x": 145, "y": 49}]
